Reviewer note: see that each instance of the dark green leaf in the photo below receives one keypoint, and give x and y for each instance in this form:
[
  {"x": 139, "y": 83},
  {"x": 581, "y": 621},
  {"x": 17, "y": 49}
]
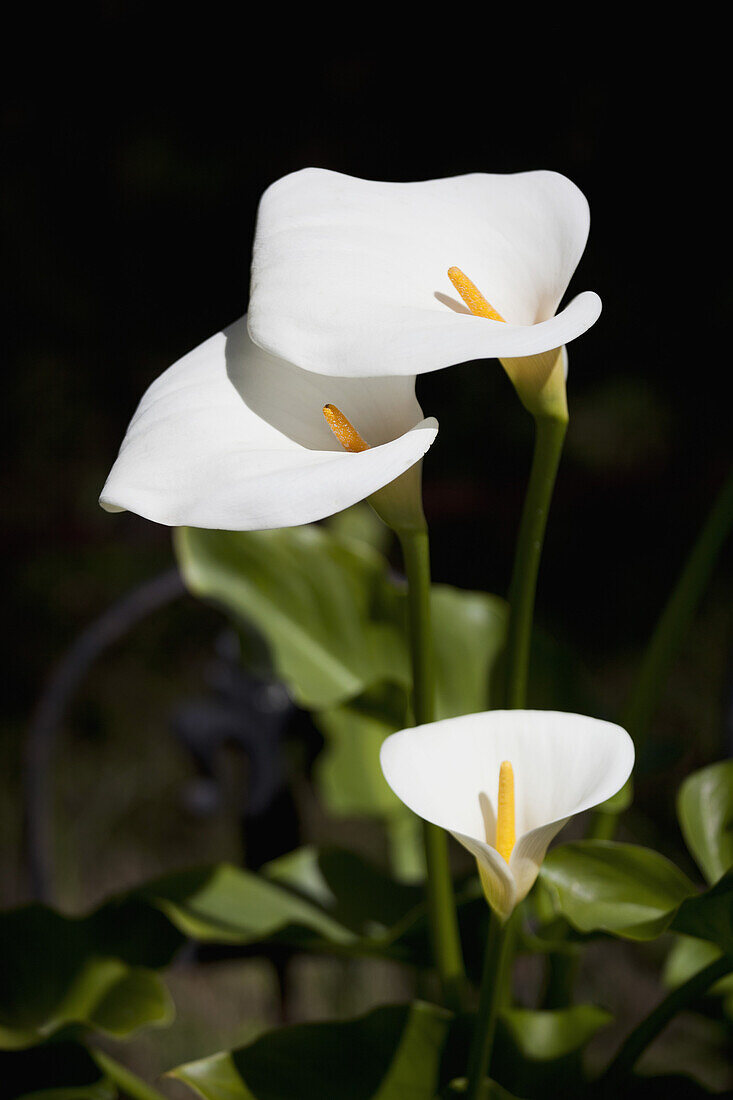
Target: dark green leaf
[
  {"x": 355, "y": 892},
  {"x": 602, "y": 886},
  {"x": 705, "y": 811},
  {"x": 392, "y": 1053},
  {"x": 54, "y": 1071},
  {"x": 709, "y": 916},
  {"x": 538, "y": 1053},
  {"x": 92, "y": 971}
]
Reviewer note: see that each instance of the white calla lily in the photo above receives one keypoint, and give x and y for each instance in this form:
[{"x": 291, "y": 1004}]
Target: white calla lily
[
  {"x": 448, "y": 773},
  {"x": 350, "y": 276},
  {"x": 230, "y": 437}
]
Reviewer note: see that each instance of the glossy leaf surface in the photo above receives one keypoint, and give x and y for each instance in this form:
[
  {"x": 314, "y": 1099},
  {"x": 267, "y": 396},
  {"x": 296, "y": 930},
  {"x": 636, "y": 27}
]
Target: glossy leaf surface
[
  {"x": 705, "y": 811},
  {"x": 602, "y": 886}
]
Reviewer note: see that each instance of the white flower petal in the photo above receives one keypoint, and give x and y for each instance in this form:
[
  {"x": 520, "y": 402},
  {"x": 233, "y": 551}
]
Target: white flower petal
[
  {"x": 447, "y": 773},
  {"x": 230, "y": 437},
  {"x": 349, "y": 276},
  {"x": 497, "y": 879}
]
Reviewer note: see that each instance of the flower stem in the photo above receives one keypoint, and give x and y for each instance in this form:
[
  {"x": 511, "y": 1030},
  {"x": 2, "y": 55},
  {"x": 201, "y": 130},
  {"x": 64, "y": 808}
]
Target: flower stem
[
  {"x": 653, "y": 1024},
  {"x": 440, "y": 897},
  {"x": 492, "y": 985},
  {"x": 129, "y": 1083},
  {"x": 549, "y": 438}
]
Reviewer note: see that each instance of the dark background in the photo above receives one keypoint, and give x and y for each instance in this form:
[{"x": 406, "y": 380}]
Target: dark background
[{"x": 133, "y": 168}]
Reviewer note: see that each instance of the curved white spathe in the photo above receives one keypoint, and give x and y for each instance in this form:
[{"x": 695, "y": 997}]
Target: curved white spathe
[
  {"x": 349, "y": 276},
  {"x": 448, "y": 773},
  {"x": 230, "y": 437}
]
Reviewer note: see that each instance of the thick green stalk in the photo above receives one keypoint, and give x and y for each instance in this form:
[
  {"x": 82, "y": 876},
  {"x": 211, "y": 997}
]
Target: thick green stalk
[
  {"x": 441, "y": 900},
  {"x": 549, "y": 439},
  {"x": 548, "y": 443},
  {"x": 652, "y": 1025},
  {"x": 129, "y": 1083},
  {"x": 492, "y": 987}
]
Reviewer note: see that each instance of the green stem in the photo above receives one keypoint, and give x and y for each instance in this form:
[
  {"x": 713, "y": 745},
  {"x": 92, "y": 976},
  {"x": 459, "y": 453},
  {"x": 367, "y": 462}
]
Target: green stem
[
  {"x": 671, "y": 629},
  {"x": 440, "y": 897},
  {"x": 492, "y": 986},
  {"x": 548, "y": 444},
  {"x": 653, "y": 1024},
  {"x": 130, "y": 1084}
]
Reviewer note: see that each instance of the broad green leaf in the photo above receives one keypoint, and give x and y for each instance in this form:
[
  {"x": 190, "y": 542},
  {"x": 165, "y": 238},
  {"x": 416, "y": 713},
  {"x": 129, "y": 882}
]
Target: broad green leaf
[
  {"x": 687, "y": 957},
  {"x": 709, "y": 916},
  {"x": 347, "y": 772},
  {"x": 318, "y": 601},
  {"x": 544, "y": 1036},
  {"x": 538, "y": 1053},
  {"x": 469, "y": 630},
  {"x": 330, "y": 899},
  {"x": 362, "y": 524},
  {"x": 602, "y": 886},
  {"x": 355, "y": 892},
  {"x": 392, "y": 1053},
  {"x": 54, "y": 1071},
  {"x": 349, "y": 779},
  {"x": 59, "y": 971},
  {"x": 226, "y": 904},
  {"x": 705, "y": 811}
]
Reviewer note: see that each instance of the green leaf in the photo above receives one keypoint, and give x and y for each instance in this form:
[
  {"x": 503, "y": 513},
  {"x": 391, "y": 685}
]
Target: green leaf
[
  {"x": 347, "y": 773},
  {"x": 322, "y": 603},
  {"x": 54, "y": 1071},
  {"x": 362, "y": 524},
  {"x": 602, "y": 886},
  {"x": 709, "y": 916},
  {"x": 355, "y": 892},
  {"x": 330, "y": 900},
  {"x": 544, "y": 1036},
  {"x": 226, "y": 904},
  {"x": 538, "y": 1053},
  {"x": 705, "y": 812},
  {"x": 59, "y": 971},
  {"x": 469, "y": 630},
  {"x": 687, "y": 957},
  {"x": 392, "y": 1053}
]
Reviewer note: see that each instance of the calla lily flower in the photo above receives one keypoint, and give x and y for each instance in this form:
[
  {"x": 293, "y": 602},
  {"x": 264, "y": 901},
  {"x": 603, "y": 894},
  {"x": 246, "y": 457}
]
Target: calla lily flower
[
  {"x": 504, "y": 783},
  {"x": 231, "y": 437},
  {"x": 354, "y": 277}
]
